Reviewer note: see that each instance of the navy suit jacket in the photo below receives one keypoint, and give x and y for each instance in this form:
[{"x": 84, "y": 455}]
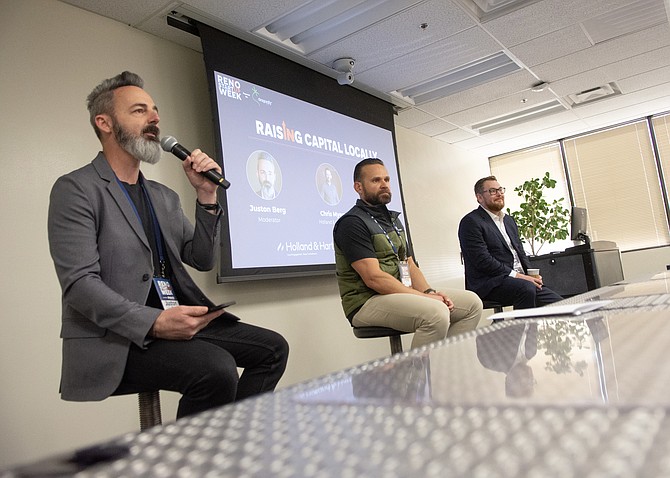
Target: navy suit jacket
[{"x": 487, "y": 258}]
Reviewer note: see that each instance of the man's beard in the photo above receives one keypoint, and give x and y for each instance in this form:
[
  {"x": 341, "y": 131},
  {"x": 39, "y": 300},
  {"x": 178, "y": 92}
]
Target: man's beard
[
  {"x": 495, "y": 207},
  {"x": 146, "y": 150},
  {"x": 377, "y": 200}
]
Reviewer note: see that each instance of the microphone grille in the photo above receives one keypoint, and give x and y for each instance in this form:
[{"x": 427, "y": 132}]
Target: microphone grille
[{"x": 168, "y": 142}]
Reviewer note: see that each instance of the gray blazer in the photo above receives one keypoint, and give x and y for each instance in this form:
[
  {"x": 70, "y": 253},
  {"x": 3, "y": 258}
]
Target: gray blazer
[{"x": 104, "y": 264}]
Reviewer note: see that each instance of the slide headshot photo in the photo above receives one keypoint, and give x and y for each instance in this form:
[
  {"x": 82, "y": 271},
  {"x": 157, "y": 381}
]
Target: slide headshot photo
[
  {"x": 329, "y": 184},
  {"x": 264, "y": 175}
]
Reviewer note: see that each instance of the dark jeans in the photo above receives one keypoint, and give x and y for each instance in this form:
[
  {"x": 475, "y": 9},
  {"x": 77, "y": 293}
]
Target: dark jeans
[
  {"x": 204, "y": 369},
  {"x": 522, "y": 294}
]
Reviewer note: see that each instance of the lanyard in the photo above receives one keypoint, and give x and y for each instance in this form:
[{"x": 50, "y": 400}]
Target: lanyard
[
  {"x": 395, "y": 249},
  {"x": 158, "y": 237}
]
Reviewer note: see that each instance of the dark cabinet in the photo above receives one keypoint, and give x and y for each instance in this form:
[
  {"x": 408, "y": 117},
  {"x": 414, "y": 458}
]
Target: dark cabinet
[{"x": 581, "y": 268}]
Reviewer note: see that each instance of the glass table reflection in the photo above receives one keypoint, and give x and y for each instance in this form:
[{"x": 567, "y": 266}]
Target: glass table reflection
[
  {"x": 585, "y": 396},
  {"x": 596, "y": 360}
]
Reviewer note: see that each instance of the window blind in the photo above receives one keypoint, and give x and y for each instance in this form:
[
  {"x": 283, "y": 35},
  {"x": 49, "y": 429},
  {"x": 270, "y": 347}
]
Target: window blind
[
  {"x": 513, "y": 169},
  {"x": 614, "y": 175}
]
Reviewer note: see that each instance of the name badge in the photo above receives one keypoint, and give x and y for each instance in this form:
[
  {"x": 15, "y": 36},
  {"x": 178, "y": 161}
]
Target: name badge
[
  {"x": 404, "y": 274},
  {"x": 165, "y": 292}
]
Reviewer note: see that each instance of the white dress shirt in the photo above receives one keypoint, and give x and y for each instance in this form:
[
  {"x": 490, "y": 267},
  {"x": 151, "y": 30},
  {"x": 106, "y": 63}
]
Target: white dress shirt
[{"x": 498, "y": 219}]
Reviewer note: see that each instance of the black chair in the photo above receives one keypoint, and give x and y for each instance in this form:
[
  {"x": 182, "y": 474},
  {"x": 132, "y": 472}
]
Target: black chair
[
  {"x": 150, "y": 409},
  {"x": 492, "y": 304},
  {"x": 376, "y": 332},
  {"x": 496, "y": 306}
]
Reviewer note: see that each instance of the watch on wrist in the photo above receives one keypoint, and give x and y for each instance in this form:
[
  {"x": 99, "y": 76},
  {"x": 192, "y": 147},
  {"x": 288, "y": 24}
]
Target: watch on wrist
[{"x": 429, "y": 291}]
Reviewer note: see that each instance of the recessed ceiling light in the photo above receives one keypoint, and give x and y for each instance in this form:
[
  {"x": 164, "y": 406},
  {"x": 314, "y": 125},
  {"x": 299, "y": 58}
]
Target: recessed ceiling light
[
  {"x": 518, "y": 117},
  {"x": 458, "y": 79}
]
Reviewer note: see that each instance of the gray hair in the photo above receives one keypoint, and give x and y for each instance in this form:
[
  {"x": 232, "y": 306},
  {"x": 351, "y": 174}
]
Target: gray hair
[{"x": 101, "y": 99}]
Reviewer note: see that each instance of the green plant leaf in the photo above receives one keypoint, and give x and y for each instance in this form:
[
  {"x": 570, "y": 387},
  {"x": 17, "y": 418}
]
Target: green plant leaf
[{"x": 539, "y": 221}]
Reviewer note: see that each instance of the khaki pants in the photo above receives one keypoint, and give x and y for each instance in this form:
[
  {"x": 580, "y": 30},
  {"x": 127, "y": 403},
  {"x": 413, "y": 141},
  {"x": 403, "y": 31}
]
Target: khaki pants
[{"x": 429, "y": 319}]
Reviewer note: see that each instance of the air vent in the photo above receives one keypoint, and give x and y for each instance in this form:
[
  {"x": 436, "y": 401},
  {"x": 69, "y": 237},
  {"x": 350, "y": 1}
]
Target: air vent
[
  {"x": 594, "y": 94},
  {"x": 518, "y": 117}
]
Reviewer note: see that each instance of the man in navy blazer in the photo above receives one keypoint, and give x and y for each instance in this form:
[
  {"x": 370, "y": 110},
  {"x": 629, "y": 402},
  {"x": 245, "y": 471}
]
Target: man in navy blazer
[
  {"x": 133, "y": 320},
  {"x": 495, "y": 262}
]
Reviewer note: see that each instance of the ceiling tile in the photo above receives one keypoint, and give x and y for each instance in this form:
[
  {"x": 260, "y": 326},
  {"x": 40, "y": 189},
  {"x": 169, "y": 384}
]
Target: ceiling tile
[
  {"x": 630, "y": 68},
  {"x": 455, "y": 136},
  {"x": 633, "y": 66},
  {"x": 545, "y": 17},
  {"x": 551, "y": 46},
  {"x": 659, "y": 76},
  {"x": 605, "y": 53},
  {"x": 411, "y": 117},
  {"x": 479, "y": 95},
  {"x": 500, "y": 107},
  {"x": 434, "y": 128},
  {"x": 398, "y": 35},
  {"x": 430, "y": 61}
]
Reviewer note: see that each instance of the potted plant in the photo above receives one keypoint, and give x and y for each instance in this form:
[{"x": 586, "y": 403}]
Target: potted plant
[{"x": 539, "y": 221}]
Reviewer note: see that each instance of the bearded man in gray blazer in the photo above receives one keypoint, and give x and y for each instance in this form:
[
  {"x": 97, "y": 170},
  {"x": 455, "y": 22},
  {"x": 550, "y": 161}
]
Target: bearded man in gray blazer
[{"x": 133, "y": 320}]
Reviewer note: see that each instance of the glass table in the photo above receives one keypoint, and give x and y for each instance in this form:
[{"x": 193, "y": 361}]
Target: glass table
[{"x": 583, "y": 396}]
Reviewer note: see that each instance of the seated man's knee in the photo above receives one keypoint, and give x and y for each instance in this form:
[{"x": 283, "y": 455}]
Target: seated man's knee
[
  {"x": 214, "y": 385},
  {"x": 281, "y": 349},
  {"x": 474, "y": 303},
  {"x": 526, "y": 288},
  {"x": 221, "y": 376},
  {"x": 280, "y": 352},
  {"x": 437, "y": 319},
  {"x": 214, "y": 374},
  {"x": 526, "y": 295}
]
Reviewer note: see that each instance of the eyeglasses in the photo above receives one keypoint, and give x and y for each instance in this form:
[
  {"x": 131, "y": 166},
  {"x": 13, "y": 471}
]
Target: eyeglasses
[{"x": 493, "y": 191}]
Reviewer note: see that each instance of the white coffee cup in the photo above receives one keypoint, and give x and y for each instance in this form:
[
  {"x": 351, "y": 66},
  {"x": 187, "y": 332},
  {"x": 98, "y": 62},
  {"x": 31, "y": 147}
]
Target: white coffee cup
[{"x": 533, "y": 272}]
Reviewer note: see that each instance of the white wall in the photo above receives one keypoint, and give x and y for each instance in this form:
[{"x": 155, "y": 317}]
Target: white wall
[{"x": 52, "y": 55}]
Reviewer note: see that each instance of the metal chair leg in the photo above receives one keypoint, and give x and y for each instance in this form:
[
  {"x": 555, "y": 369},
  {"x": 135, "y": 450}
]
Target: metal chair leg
[
  {"x": 396, "y": 344},
  {"x": 150, "y": 409}
]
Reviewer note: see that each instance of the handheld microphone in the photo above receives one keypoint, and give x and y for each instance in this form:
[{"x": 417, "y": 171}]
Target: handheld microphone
[{"x": 171, "y": 145}]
